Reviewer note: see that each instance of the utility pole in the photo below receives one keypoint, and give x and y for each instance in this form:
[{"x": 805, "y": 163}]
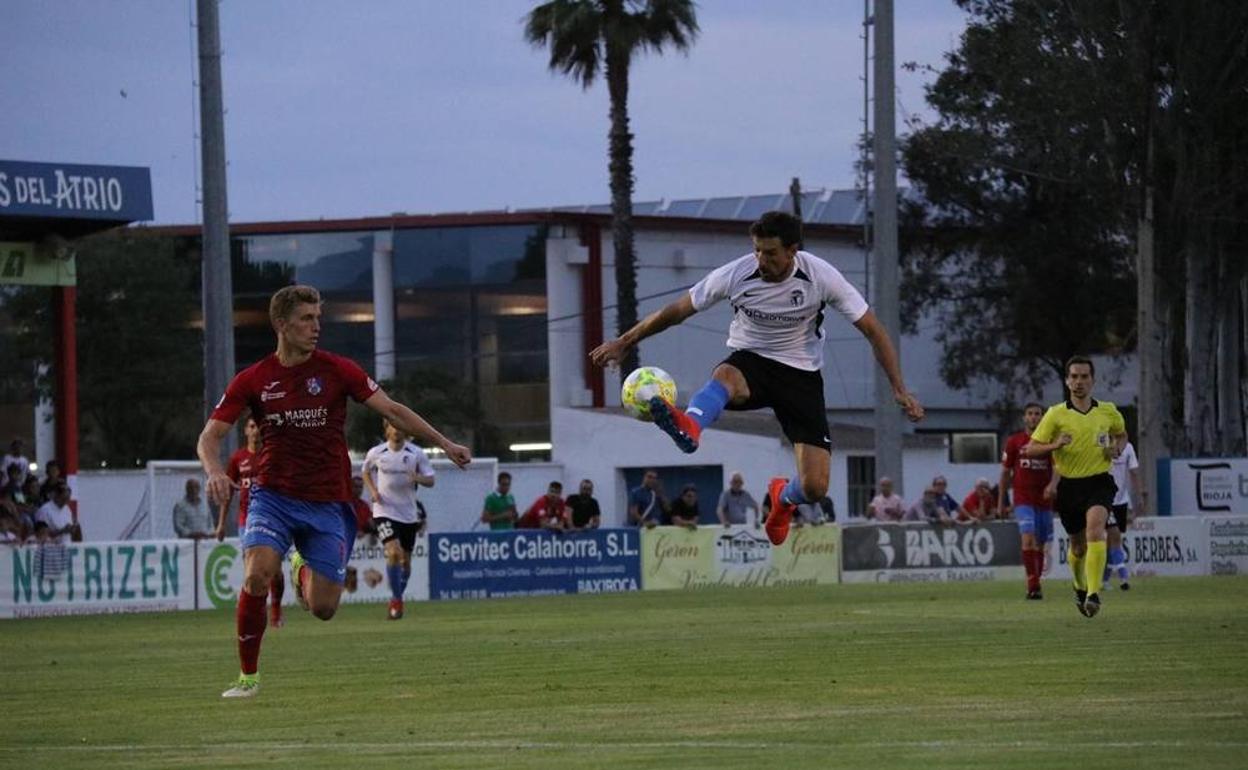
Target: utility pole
[
  {"x": 888, "y": 418},
  {"x": 217, "y": 286}
]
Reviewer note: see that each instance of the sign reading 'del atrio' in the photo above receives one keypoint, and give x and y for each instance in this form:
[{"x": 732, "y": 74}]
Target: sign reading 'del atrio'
[{"x": 71, "y": 191}]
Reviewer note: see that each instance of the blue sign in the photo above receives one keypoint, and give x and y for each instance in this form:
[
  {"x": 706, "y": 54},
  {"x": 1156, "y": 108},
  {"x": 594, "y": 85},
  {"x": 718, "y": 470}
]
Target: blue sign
[
  {"x": 529, "y": 562},
  {"x": 69, "y": 191}
]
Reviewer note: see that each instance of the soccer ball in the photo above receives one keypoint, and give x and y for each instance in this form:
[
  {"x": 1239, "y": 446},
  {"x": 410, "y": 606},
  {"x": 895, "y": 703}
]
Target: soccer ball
[{"x": 641, "y": 386}]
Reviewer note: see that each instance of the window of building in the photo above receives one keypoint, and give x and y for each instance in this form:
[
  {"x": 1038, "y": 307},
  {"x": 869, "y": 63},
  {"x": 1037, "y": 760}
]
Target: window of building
[
  {"x": 973, "y": 448},
  {"x": 860, "y": 472}
]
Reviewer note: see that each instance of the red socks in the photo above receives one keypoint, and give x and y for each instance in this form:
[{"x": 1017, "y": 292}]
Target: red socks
[
  {"x": 250, "y": 618},
  {"x": 1033, "y": 563},
  {"x": 276, "y": 589}
]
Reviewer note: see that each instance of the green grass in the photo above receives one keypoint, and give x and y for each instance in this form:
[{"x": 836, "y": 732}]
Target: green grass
[{"x": 847, "y": 676}]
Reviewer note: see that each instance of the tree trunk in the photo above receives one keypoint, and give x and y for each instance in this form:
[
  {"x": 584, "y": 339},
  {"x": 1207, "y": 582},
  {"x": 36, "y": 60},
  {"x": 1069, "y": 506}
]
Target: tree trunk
[
  {"x": 1153, "y": 389},
  {"x": 1200, "y": 379},
  {"x": 621, "y": 167},
  {"x": 1230, "y": 362}
]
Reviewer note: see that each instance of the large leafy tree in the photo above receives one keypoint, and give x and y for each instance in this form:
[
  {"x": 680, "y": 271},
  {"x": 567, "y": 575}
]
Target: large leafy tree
[
  {"x": 1072, "y": 140},
  {"x": 591, "y": 37},
  {"x": 139, "y": 356}
]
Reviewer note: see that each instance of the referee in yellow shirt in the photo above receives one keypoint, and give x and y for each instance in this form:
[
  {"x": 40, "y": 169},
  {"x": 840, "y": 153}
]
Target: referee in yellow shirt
[{"x": 1084, "y": 435}]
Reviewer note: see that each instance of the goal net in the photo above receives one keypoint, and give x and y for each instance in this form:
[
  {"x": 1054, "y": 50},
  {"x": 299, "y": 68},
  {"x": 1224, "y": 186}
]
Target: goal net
[{"x": 453, "y": 504}]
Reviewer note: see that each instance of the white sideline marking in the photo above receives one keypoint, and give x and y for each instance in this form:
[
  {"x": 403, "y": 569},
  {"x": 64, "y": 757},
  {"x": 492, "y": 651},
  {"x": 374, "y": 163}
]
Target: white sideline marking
[{"x": 372, "y": 747}]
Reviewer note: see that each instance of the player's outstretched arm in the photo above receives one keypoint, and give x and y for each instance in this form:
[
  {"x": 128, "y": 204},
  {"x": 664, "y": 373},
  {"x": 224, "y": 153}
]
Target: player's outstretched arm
[
  {"x": 882, "y": 345},
  {"x": 670, "y": 314},
  {"x": 414, "y": 425},
  {"x": 209, "y": 450}
]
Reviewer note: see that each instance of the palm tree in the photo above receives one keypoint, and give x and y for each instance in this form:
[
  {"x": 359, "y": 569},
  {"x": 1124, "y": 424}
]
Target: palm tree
[{"x": 586, "y": 37}]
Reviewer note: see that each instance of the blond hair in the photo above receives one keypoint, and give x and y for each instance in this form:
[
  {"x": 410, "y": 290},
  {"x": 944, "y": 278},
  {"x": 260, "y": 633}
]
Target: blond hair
[{"x": 285, "y": 299}]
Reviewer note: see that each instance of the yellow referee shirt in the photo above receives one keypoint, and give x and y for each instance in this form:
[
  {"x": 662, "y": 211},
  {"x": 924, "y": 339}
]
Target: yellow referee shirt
[{"x": 1093, "y": 433}]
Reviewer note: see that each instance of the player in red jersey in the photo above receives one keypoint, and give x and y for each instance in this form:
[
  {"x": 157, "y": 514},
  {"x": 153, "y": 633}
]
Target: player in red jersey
[
  {"x": 301, "y": 491},
  {"x": 1033, "y": 507},
  {"x": 241, "y": 469}
]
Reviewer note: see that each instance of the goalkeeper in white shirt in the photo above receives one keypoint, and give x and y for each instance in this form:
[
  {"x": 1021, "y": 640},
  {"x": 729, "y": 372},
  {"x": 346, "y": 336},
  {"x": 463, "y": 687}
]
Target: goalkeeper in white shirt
[
  {"x": 778, "y": 295},
  {"x": 392, "y": 472}
]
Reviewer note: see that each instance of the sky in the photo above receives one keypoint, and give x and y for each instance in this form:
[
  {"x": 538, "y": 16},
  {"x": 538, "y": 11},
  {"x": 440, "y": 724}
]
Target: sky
[{"x": 346, "y": 108}]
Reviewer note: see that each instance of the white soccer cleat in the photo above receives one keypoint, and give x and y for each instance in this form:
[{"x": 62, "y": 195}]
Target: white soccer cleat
[{"x": 245, "y": 687}]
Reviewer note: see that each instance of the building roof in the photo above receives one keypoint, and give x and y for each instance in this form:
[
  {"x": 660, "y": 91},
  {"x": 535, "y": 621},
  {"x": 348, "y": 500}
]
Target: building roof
[{"x": 844, "y": 208}]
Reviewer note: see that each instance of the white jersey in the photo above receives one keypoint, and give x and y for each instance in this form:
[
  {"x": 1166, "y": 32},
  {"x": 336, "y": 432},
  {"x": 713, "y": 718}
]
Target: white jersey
[
  {"x": 782, "y": 321},
  {"x": 1127, "y": 461},
  {"x": 390, "y": 472}
]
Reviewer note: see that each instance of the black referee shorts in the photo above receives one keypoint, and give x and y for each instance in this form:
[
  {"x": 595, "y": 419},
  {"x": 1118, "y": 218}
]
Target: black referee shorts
[
  {"x": 794, "y": 394},
  {"x": 1076, "y": 496}
]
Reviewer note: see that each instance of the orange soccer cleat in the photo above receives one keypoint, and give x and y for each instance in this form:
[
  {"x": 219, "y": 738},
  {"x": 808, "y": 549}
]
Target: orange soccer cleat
[
  {"x": 683, "y": 429},
  {"x": 781, "y": 515}
]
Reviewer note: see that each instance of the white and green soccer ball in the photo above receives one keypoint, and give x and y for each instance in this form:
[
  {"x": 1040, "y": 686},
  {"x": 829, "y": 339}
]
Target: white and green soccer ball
[{"x": 641, "y": 386}]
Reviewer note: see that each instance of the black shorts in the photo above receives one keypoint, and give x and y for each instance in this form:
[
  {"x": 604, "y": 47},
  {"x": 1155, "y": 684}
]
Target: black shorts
[
  {"x": 405, "y": 533},
  {"x": 795, "y": 395},
  {"x": 1076, "y": 496},
  {"x": 1118, "y": 517}
]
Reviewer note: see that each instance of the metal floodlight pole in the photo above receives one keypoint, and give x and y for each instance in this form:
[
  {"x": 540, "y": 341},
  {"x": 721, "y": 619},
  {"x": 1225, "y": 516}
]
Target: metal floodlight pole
[
  {"x": 888, "y": 418},
  {"x": 217, "y": 286}
]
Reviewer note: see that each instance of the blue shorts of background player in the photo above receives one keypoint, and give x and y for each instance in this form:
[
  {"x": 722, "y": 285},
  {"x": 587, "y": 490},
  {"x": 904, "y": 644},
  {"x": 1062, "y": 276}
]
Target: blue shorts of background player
[
  {"x": 1035, "y": 521},
  {"x": 323, "y": 532}
]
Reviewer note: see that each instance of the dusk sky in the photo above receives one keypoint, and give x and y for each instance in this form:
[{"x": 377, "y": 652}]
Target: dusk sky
[{"x": 343, "y": 109}]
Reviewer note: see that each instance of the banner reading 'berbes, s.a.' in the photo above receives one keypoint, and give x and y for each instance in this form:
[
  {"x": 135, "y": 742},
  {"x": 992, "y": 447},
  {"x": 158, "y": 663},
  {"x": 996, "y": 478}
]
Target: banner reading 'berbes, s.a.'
[
  {"x": 529, "y": 562},
  {"x": 706, "y": 557}
]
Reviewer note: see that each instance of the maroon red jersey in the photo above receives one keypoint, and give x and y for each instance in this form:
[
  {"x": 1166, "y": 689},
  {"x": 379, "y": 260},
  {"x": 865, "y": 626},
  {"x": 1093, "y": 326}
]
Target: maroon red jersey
[
  {"x": 1031, "y": 474},
  {"x": 302, "y": 411},
  {"x": 241, "y": 469}
]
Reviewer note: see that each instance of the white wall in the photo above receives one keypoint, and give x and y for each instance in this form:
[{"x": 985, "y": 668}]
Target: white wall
[{"x": 107, "y": 501}]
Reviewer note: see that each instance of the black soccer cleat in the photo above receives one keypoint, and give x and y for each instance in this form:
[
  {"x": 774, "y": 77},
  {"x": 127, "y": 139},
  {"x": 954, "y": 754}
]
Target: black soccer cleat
[
  {"x": 1091, "y": 605},
  {"x": 1035, "y": 595},
  {"x": 1081, "y": 597},
  {"x": 1125, "y": 586}
]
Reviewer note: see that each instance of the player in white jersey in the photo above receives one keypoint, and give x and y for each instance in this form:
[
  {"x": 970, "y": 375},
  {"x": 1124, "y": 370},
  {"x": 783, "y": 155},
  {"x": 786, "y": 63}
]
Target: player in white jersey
[
  {"x": 1128, "y": 504},
  {"x": 392, "y": 471},
  {"x": 778, "y": 294}
]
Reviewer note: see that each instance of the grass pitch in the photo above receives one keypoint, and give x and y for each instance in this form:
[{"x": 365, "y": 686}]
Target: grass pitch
[{"x": 964, "y": 675}]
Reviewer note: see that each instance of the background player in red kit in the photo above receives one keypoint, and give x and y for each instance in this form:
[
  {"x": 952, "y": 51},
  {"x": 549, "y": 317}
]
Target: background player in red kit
[
  {"x": 301, "y": 491},
  {"x": 1032, "y": 507},
  {"x": 241, "y": 469}
]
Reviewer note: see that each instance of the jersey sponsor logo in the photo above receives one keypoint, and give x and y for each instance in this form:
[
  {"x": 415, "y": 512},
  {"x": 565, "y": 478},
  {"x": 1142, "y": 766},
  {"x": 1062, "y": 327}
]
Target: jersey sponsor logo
[
  {"x": 268, "y": 394},
  {"x": 314, "y": 386},
  {"x": 313, "y": 417},
  {"x": 781, "y": 319}
]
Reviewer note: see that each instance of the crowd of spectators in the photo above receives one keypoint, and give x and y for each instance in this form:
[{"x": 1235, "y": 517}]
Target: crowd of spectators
[
  {"x": 550, "y": 511},
  {"x": 34, "y": 510},
  {"x": 936, "y": 505}
]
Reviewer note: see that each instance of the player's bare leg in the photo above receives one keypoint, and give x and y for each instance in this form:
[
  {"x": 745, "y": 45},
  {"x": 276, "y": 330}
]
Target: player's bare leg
[
  {"x": 260, "y": 563},
  {"x": 395, "y": 569},
  {"x": 809, "y": 485},
  {"x": 321, "y": 593}
]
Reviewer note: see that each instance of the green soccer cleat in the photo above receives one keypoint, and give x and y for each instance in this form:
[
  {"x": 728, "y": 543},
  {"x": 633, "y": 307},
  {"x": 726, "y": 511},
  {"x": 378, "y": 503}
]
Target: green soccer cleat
[
  {"x": 247, "y": 686},
  {"x": 296, "y": 561}
]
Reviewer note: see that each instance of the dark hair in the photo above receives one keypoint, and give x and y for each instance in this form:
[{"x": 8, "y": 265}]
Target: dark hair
[
  {"x": 778, "y": 224},
  {"x": 504, "y": 475},
  {"x": 1080, "y": 360},
  {"x": 556, "y": 485},
  {"x": 1030, "y": 404}
]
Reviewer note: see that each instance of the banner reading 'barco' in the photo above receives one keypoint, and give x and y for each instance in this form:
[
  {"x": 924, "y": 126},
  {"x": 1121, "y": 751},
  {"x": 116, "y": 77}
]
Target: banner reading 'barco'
[{"x": 896, "y": 553}]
